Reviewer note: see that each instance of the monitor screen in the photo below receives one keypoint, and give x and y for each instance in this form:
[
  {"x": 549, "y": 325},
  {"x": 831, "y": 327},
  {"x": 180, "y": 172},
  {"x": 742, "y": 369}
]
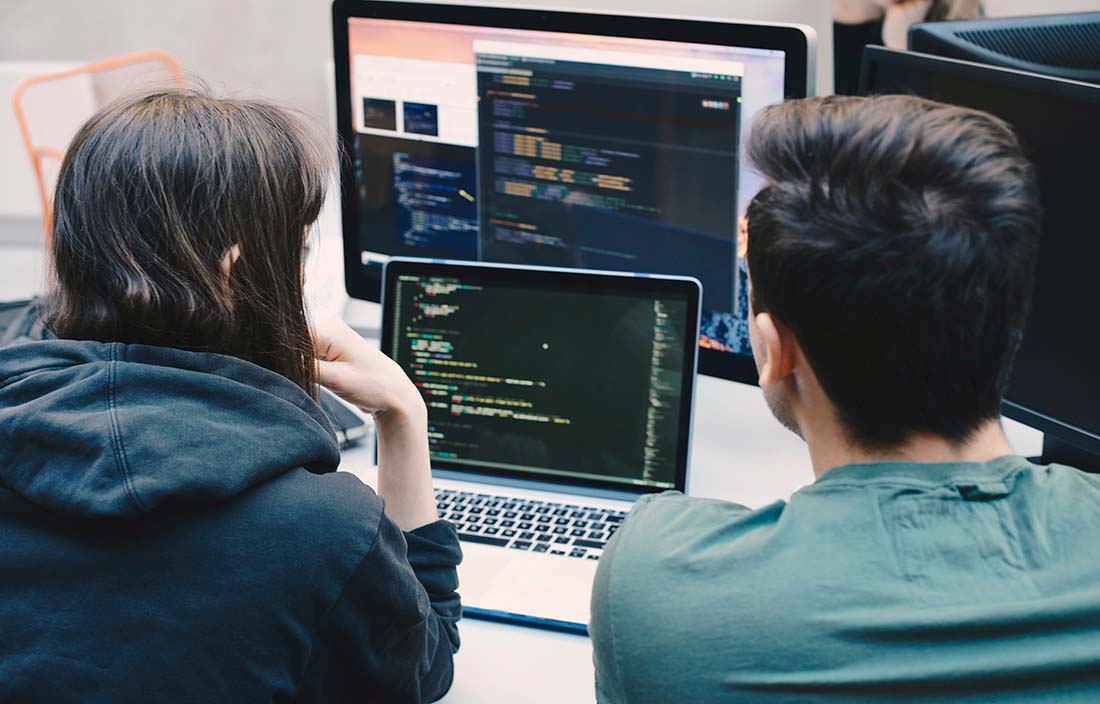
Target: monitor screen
[
  {"x": 580, "y": 378},
  {"x": 558, "y": 149},
  {"x": 1055, "y": 380}
]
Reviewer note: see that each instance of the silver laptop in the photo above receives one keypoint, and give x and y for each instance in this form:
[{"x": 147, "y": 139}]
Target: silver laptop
[{"x": 556, "y": 397}]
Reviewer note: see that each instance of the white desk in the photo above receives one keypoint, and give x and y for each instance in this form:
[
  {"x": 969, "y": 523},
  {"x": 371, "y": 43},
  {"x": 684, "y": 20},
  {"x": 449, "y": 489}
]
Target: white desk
[
  {"x": 22, "y": 271},
  {"x": 739, "y": 453}
]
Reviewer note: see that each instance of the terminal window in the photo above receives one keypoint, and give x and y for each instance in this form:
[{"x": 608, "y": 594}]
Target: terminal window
[
  {"x": 608, "y": 160},
  {"x": 584, "y": 385},
  {"x": 418, "y": 198}
]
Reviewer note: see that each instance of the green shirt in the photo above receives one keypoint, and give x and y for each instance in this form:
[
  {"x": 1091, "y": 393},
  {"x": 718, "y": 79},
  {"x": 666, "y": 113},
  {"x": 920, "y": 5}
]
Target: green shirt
[{"x": 923, "y": 582}]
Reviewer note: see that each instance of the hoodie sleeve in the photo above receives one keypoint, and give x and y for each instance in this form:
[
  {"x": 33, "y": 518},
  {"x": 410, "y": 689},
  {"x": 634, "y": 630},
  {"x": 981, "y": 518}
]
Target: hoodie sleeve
[{"x": 393, "y": 631}]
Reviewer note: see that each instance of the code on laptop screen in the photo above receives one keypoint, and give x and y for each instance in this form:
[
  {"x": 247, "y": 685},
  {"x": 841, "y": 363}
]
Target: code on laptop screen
[{"x": 547, "y": 379}]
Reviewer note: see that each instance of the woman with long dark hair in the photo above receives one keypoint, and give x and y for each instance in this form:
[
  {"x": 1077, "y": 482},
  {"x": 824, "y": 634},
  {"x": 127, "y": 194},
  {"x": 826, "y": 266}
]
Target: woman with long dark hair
[{"x": 172, "y": 524}]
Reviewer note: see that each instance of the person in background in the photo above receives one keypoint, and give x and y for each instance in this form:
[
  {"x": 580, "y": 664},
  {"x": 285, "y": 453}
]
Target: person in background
[
  {"x": 857, "y": 23},
  {"x": 891, "y": 258},
  {"x": 173, "y": 525}
]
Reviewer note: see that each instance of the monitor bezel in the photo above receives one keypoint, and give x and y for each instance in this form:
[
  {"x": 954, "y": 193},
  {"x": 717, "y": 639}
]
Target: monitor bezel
[
  {"x": 874, "y": 56},
  {"x": 576, "y": 279},
  {"x": 794, "y": 40},
  {"x": 942, "y": 38}
]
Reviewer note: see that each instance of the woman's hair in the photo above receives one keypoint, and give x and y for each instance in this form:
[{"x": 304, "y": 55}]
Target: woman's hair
[
  {"x": 154, "y": 193},
  {"x": 954, "y": 10}
]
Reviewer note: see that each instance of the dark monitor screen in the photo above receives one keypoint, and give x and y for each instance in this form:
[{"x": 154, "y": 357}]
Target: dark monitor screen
[
  {"x": 1056, "y": 381},
  {"x": 556, "y": 375},
  {"x": 557, "y": 139}
]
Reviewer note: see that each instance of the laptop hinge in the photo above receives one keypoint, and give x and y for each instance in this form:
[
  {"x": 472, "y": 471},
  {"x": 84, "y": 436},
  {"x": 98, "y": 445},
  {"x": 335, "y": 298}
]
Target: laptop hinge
[{"x": 536, "y": 485}]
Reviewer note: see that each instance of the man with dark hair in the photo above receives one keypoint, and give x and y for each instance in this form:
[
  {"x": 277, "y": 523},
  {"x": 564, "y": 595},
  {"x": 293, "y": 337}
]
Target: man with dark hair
[{"x": 891, "y": 256}]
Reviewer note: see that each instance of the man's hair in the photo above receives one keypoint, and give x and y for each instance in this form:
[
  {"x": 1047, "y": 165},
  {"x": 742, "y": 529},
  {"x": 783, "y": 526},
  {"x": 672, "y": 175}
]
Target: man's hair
[
  {"x": 897, "y": 239},
  {"x": 153, "y": 193}
]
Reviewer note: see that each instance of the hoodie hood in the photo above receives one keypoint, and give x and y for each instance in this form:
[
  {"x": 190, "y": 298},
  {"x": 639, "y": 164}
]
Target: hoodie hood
[{"x": 95, "y": 429}]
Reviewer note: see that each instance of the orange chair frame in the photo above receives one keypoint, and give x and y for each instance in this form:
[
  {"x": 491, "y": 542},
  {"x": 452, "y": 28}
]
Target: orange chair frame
[{"x": 38, "y": 153}]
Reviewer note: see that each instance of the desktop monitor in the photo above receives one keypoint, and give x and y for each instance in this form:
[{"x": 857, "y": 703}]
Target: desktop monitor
[
  {"x": 1056, "y": 379},
  {"x": 1065, "y": 46},
  {"x": 557, "y": 139}
]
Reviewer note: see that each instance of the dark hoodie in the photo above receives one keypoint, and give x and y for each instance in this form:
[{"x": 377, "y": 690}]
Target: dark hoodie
[{"x": 172, "y": 528}]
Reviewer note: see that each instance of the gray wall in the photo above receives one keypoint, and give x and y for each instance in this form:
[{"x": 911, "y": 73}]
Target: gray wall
[
  {"x": 1008, "y": 8},
  {"x": 276, "y": 48}
]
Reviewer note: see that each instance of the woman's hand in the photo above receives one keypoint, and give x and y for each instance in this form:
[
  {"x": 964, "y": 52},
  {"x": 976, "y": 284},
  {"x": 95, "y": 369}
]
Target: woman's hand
[
  {"x": 900, "y": 16},
  {"x": 360, "y": 374},
  {"x": 857, "y": 11},
  {"x": 363, "y": 376}
]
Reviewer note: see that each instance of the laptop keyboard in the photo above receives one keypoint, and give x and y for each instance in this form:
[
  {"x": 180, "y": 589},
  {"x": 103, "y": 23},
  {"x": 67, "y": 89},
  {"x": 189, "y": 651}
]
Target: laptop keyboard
[{"x": 528, "y": 524}]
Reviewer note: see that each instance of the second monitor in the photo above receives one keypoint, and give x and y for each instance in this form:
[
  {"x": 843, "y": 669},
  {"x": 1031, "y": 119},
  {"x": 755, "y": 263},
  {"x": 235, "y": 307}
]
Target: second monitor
[{"x": 1054, "y": 380}]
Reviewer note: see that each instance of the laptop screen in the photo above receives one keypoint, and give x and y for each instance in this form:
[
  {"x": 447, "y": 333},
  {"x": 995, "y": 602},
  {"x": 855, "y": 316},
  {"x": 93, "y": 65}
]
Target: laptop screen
[{"x": 565, "y": 376}]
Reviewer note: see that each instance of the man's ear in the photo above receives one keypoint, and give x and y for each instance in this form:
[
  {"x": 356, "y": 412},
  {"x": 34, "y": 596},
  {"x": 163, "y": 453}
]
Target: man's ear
[
  {"x": 779, "y": 345},
  {"x": 231, "y": 256}
]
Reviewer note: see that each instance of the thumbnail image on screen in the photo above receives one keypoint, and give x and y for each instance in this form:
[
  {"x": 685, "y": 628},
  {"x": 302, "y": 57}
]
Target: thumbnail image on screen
[
  {"x": 557, "y": 149},
  {"x": 527, "y": 405}
]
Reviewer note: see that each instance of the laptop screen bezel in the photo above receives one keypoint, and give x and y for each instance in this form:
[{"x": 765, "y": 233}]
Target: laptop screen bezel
[{"x": 657, "y": 286}]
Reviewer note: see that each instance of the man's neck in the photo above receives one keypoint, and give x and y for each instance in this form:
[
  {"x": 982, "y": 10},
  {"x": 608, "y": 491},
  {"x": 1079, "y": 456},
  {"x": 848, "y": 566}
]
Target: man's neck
[{"x": 829, "y": 448}]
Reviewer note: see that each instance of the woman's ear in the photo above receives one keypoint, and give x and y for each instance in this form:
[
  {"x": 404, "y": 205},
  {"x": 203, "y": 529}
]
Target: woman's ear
[{"x": 231, "y": 256}]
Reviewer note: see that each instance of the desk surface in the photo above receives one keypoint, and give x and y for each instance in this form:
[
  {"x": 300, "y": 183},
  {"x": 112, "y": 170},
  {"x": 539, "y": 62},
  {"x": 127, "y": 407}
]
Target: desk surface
[{"x": 739, "y": 453}]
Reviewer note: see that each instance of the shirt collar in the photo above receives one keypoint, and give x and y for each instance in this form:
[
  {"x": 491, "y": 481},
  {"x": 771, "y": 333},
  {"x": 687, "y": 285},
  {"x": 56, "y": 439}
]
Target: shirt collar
[{"x": 926, "y": 472}]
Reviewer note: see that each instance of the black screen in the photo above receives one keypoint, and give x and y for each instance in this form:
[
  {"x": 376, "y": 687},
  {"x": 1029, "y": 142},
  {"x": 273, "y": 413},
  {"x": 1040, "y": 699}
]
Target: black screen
[
  {"x": 1056, "y": 371},
  {"x": 547, "y": 379}
]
